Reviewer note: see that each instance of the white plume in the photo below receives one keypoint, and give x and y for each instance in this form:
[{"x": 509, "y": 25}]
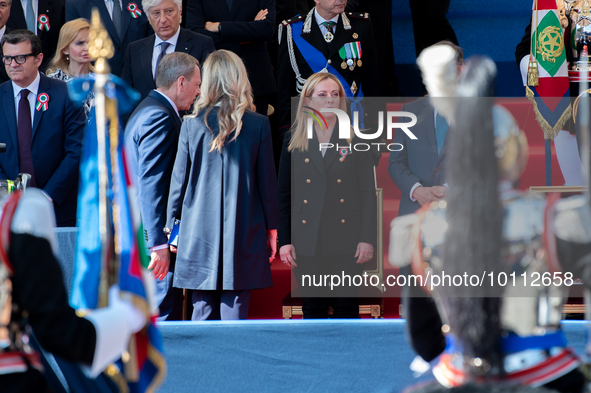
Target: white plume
[{"x": 439, "y": 67}]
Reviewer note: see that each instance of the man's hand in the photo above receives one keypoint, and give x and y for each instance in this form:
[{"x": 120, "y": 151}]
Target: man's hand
[
  {"x": 441, "y": 190},
  {"x": 214, "y": 27},
  {"x": 364, "y": 252},
  {"x": 272, "y": 244},
  {"x": 428, "y": 194},
  {"x": 261, "y": 15},
  {"x": 159, "y": 263}
]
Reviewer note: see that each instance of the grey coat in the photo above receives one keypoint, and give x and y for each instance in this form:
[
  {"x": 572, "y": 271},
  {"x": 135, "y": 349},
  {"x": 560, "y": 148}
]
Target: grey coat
[{"x": 226, "y": 202}]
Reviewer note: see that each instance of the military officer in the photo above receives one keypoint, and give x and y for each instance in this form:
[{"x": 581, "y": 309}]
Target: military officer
[{"x": 330, "y": 40}]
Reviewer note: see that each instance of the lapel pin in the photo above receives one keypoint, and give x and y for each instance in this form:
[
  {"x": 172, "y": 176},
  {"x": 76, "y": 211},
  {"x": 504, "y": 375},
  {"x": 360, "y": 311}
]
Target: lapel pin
[
  {"x": 134, "y": 10},
  {"x": 42, "y": 100},
  {"x": 43, "y": 22}
]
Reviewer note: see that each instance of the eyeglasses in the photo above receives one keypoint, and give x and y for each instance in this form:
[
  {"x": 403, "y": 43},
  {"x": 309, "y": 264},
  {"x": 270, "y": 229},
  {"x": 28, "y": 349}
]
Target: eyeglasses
[
  {"x": 168, "y": 12},
  {"x": 20, "y": 59}
]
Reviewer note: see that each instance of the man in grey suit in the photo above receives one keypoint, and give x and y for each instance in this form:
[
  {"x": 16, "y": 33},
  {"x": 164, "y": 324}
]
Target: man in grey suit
[{"x": 151, "y": 139}]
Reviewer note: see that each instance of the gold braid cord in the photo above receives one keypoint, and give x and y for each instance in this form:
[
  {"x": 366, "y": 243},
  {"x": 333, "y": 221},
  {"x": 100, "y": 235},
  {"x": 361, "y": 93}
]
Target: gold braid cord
[{"x": 549, "y": 131}]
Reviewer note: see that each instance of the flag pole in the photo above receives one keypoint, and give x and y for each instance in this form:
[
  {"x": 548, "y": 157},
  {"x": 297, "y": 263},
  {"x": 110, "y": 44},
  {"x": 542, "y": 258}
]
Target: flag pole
[{"x": 100, "y": 49}]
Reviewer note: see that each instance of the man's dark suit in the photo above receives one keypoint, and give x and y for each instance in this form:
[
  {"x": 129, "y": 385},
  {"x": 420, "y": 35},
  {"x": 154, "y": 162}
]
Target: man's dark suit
[
  {"x": 151, "y": 139},
  {"x": 3, "y": 75},
  {"x": 55, "y": 146},
  {"x": 241, "y": 34},
  {"x": 133, "y": 29},
  {"x": 55, "y": 11},
  {"x": 365, "y": 77},
  {"x": 419, "y": 162},
  {"x": 137, "y": 70}
]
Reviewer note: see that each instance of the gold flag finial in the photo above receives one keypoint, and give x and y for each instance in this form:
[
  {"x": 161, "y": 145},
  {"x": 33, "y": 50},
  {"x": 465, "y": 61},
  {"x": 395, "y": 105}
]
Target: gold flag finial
[{"x": 100, "y": 46}]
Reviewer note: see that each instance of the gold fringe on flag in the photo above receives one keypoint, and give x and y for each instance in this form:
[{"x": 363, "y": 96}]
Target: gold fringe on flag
[
  {"x": 549, "y": 131},
  {"x": 533, "y": 78}
]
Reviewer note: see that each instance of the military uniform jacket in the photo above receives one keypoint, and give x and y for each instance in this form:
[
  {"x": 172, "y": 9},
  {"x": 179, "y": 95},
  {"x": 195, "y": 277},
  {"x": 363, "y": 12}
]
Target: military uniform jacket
[
  {"x": 330, "y": 199},
  {"x": 364, "y": 76}
]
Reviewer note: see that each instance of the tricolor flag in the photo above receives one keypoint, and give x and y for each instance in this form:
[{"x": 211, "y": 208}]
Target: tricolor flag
[
  {"x": 145, "y": 368},
  {"x": 551, "y": 97}
]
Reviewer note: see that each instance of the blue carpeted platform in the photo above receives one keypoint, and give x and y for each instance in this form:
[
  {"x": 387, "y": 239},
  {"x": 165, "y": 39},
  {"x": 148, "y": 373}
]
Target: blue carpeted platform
[{"x": 295, "y": 355}]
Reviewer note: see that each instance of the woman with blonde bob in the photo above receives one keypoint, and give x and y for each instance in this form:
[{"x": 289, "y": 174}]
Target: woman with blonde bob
[
  {"x": 71, "y": 58},
  {"x": 327, "y": 202},
  {"x": 224, "y": 191}
]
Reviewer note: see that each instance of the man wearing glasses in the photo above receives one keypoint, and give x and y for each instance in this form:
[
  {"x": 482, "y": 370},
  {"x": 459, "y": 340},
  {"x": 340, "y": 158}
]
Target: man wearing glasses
[
  {"x": 142, "y": 57},
  {"x": 41, "y": 127}
]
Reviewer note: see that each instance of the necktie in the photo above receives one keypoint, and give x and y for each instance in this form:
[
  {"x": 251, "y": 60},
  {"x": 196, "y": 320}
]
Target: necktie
[
  {"x": 163, "y": 47},
  {"x": 329, "y": 25},
  {"x": 25, "y": 130},
  {"x": 31, "y": 17},
  {"x": 440, "y": 131},
  {"x": 229, "y": 4},
  {"x": 117, "y": 17}
]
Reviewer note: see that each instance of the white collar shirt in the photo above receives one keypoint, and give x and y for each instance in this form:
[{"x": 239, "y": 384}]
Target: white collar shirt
[
  {"x": 169, "y": 100},
  {"x": 156, "y": 50},
  {"x": 32, "y": 97},
  {"x": 320, "y": 20},
  {"x": 35, "y": 4},
  {"x": 110, "y": 4}
]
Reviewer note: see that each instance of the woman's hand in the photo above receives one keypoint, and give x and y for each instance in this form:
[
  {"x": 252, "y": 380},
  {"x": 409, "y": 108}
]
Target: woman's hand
[
  {"x": 272, "y": 244},
  {"x": 288, "y": 255},
  {"x": 364, "y": 252}
]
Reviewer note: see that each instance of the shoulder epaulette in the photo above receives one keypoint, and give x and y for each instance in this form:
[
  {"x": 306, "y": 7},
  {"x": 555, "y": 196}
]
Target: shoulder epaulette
[
  {"x": 358, "y": 15},
  {"x": 286, "y": 23},
  {"x": 292, "y": 20}
]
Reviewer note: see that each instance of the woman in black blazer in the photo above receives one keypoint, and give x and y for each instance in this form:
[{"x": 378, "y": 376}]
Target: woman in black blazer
[
  {"x": 327, "y": 201},
  {"x": 224, "y": 190}
]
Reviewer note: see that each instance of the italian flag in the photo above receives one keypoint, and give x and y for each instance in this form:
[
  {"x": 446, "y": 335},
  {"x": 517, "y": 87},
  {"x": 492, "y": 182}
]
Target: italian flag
[{"x": 551, "y": 98}]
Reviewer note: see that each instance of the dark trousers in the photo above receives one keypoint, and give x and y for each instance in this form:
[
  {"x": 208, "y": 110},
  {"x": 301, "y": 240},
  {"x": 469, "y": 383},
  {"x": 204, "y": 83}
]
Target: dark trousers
[
  {"x": 220, "y": 304},
  {"x": 318, "y": 298}
]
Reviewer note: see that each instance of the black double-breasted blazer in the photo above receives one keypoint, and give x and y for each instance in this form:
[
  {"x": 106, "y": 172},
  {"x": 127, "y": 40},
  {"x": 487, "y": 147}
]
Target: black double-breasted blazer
[{"x": 330, "y": 199}]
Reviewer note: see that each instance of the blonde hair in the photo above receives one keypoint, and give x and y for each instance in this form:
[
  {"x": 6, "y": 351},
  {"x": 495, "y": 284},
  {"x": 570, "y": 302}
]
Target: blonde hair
[
  {"x": 299, "y": 131},
  {"x": 68, "y": 34},
  {"x": 225, "y": 84}
]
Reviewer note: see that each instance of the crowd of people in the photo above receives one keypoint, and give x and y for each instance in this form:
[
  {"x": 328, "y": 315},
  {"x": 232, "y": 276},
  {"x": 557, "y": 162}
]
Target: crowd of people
[{"x": 44, "y": 45}]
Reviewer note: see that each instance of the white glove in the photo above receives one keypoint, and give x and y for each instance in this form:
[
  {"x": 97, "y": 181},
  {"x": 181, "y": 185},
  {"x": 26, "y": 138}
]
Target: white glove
[{"x": 135, "y": 319}]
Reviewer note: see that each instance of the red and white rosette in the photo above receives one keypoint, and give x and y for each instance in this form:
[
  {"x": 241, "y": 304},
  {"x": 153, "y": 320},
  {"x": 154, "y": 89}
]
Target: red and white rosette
[
  {"x": 42, "y": 100},
  {"x": 43, "y": 22},
  {"x": 134, "y": 10}
]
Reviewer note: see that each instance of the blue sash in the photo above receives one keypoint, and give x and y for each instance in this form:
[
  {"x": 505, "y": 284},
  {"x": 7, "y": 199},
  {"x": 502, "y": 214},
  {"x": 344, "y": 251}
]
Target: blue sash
[{"x": 317, "y": 63}]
